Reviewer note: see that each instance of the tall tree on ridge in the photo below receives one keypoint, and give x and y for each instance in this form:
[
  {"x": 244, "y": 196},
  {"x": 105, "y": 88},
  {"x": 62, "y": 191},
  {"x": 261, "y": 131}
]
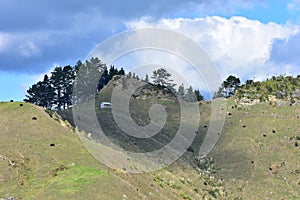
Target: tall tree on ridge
[
  {"x": 69, "y": 77},
  {"x": 57, "y": 81},
  {"x": 199, "y": 96},
  {"x": 231, "y": 84},
  {"x": 147, "y": 78},
  {"x": 162, "y": 77},
  {"x": 41, "y": 93},
  {"x": 181, "y": 91},
  {"x": 190, "y": 95}
]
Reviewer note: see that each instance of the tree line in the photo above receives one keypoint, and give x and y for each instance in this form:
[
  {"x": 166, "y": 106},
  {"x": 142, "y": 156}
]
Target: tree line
[
  {"x": 56, "y": 90},
  {"x": 162, "y": 77}
]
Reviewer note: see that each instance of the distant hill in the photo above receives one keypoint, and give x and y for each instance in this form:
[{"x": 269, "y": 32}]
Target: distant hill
[{"x": 281, "y": 90}]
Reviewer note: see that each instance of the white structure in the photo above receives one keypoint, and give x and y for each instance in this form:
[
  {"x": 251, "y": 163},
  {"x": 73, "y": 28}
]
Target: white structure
[{"x": 105, "y": 105}]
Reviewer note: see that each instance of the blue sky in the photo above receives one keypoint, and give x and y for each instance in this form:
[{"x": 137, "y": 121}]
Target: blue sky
[{"x": 250, "y": 39}]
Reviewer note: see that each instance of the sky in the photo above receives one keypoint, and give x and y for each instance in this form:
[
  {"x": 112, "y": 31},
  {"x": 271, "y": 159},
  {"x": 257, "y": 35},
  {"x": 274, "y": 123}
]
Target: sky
[{"x": 249, "y": 39}]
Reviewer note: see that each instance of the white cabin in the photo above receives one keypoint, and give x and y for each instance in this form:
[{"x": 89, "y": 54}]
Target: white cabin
[{"x": 105, "y": 105}]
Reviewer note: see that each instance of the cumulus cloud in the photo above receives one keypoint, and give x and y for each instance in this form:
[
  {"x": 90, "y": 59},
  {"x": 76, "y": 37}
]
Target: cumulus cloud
[{"x": 238, "y": 45}]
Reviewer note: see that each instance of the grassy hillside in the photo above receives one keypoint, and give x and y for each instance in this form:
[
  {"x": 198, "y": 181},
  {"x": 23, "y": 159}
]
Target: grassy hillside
[
  {"x": 42, "y": 158},
  {"x": 257, "y": 156},
  {"x": 258, "y": 153},
  {"x": 41, "y": 171}
]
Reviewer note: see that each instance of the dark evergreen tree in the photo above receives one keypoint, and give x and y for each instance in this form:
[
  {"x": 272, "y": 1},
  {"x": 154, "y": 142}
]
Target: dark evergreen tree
[
  {"x": 129, "y": 74},
  {"x": 228, "y": 87},
  {"x": 181, "y": 91},
  {"x": 121, "y": 72},
  {"x": 231, "y": 84},
  {"x": 41, "y": 93},
  {"x": 57, "y": 91},
  {"x": 67, "y": 89},
  {"x": 33, "y": 95},
  {"x": 199, "y": 97},
  {"x": 147, "y": 78},
  {"x": 88, "y": 81},
  {"x": 162, "y": 77},
  {"x": 77, "y": 66},
  {"x": 190, "y": 95},
  {"x": 57, "y": 81},
  {"x": 112, "y": 71},
  {"x": 47, "y": 93}
]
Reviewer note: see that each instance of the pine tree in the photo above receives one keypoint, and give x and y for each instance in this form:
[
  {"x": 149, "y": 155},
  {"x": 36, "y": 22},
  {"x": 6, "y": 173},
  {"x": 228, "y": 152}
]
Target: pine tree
[
  {"x": 162, "y": 77},
  {"x": 121, "y": 72},
  {"x": 190, "y": 95},
  {"x": 181, "y": 91},
  {"x": 129, "y": 74},
  {"x": 147, "y": 78},
  {"x": 47, "y": 93},
  {"x": 41, "y": 93},
  {"x": 57, "y": 81},
  {"x": 198, "y": 95},
  {"x": 231, "y": 84},
  {"x": 69, "y": 77},
  {"x": 32, "y": 95},
  {"x": 228, "y": 87}
]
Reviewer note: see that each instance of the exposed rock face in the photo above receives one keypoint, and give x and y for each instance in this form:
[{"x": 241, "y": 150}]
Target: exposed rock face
[
  {"x": 246, "y": 102},
  {"x": 273, "y": 99}
]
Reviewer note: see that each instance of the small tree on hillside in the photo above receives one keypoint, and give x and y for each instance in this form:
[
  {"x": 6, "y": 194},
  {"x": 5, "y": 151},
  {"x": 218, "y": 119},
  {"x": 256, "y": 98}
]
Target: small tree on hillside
[
  {"x": 228, "y": 87},
  {"x": 162, "y": 77},
  {"x": 147, "y": 78},
  {"x": 190, "y": 95},
  {"x": 181, "y": 91},
  {"x": 231, "y": 84},
  {"x": 199, "y": 96}
]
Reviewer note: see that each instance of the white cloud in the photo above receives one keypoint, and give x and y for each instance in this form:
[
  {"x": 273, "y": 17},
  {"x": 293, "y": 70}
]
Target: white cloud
[{"x": 238, "y": 45}]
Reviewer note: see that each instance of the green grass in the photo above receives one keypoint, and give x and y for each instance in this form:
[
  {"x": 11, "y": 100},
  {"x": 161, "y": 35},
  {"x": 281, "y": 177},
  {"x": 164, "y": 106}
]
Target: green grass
[
  {"x": 26, "y": 142},
  {"x": 72, "y": 179},
  {"x": 245, "y": 154},
  {"x": 255, "y": 138}
]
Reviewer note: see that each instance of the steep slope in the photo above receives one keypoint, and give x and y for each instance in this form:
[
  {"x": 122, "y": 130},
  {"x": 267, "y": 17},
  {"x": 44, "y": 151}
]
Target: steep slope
[
  {"x": 258, "y": 153},
  {"x": 257, "y": 156},
  {"x": 42, "y": 158}
]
